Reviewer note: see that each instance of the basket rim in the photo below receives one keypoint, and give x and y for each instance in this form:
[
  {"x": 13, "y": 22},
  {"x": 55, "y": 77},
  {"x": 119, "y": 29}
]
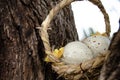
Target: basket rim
[{"x": 67, "y": 70}]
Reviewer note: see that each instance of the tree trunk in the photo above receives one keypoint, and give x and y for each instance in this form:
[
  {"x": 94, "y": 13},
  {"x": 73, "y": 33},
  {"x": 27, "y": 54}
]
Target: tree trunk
[
  {"x": 21, "y": 48},
  {"x": 111, "y": 68}
]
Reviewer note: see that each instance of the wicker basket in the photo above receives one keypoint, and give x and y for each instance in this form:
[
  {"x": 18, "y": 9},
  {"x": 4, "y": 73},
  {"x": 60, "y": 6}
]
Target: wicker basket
[{"x": 73, "y": 72}]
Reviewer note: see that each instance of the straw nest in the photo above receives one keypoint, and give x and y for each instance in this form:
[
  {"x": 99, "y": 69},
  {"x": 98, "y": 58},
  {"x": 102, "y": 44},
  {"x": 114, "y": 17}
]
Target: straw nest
[{"x": 84, "y": 70}]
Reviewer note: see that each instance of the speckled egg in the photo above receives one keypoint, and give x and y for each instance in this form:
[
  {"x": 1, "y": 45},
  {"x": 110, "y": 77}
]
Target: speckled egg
[
  {"x": 76, "y": 52},
  {"x": 98, "y": 44}
]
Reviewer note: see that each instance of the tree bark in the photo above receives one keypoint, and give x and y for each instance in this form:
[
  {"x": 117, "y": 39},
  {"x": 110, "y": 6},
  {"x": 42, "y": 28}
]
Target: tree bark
[
  {"x": 111, "y": 68},
  {"x": 21, "y": 48}
]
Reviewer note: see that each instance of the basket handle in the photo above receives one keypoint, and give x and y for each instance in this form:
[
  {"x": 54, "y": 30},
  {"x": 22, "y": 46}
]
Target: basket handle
[
  {"x": 45, "y": 24},
  {"x": 98, "y": 3}
]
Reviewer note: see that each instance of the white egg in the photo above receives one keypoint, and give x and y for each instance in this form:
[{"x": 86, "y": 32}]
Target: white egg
[
  {"x": 98, "y": 44},
  {"x": 76, "y": 52}
]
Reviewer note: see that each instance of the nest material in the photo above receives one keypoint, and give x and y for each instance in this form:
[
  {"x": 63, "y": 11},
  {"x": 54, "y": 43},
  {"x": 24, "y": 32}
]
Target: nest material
[
  {"x": 83, "y": 70},
  {"x": 72, "y": 72}
]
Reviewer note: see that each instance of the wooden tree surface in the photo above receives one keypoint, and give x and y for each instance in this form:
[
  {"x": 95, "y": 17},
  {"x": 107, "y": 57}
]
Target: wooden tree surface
[
  {"x": 21, "y": 48},
  {"x": 111, "y": 68}
]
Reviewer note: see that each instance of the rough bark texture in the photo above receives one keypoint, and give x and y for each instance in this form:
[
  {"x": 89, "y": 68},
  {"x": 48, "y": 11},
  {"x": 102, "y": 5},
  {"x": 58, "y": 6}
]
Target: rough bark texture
[
  {"x": 21, "y": 48},
  {"x": 111, "y": 68}
]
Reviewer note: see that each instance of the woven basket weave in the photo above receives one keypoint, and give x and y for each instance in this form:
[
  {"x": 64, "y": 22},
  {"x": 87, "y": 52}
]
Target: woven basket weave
[{"x": 72, "y": 72}]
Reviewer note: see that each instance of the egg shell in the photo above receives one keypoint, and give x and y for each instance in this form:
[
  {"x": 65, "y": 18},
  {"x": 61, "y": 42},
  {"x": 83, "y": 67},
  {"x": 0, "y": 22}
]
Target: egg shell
[
  {"x": 76, "y": 52},
  {"x": 98, "y": 44}
]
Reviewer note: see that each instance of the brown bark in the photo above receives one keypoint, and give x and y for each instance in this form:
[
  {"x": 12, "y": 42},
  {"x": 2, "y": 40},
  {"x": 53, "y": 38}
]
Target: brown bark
[
  {"x": 21, "y": 48},
  {"x": 111, "y": 68}
]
